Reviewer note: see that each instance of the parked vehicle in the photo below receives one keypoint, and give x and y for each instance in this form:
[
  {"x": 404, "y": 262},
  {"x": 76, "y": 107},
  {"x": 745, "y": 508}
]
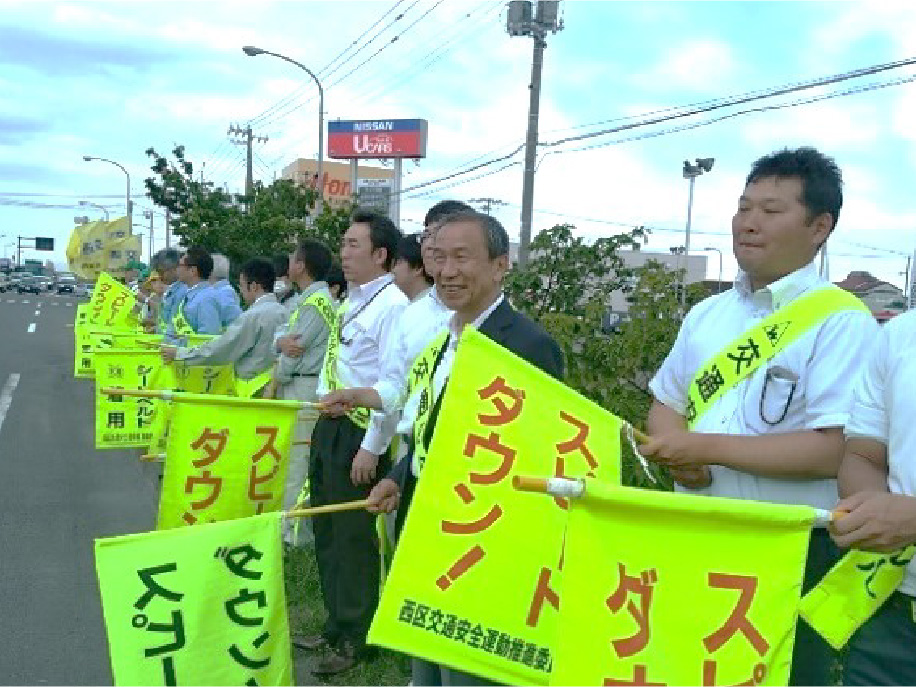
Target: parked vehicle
[
  {"x": 66, "y": 285},
  {"x": 29, "y": 285},
  {"x": 4, "y": 283}
]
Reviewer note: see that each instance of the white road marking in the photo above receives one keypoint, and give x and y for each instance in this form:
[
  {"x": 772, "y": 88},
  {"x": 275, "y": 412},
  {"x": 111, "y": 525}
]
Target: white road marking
[
  {"x": 38, "y": 312},
  {"x": 25, "y": 301},
  {"x": 6, "y": 395},
  {"x": 10, "y": 300},
  {"x": 31, "y": 329},
  {"x": 70, "y": 305}
]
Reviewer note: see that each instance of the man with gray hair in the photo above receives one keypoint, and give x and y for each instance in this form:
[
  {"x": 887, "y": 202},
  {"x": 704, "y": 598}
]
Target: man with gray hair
[
  {"x": 471, "y": 252},
  {"x": 227, "y": 298},
  {"x": 165, "y": 262}
]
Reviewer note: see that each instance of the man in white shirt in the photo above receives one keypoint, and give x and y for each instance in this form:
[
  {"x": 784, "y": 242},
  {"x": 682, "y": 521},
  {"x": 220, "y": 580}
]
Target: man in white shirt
[
  {"x": 348, "y": 454},
  {"x": 777, "y": 434},
  {"x": 878, "y": 480}
]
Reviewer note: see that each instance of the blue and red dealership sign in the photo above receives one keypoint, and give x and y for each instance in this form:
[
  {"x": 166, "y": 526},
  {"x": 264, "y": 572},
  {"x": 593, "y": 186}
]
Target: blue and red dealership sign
[{"x": 377, "y": 138}]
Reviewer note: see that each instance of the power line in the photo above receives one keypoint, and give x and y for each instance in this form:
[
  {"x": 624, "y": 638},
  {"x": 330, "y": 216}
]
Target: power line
[
  {"x": 811, "y": 84},
  {"x": 290, "y": 106},
  {"x": 301, "y": 89}
]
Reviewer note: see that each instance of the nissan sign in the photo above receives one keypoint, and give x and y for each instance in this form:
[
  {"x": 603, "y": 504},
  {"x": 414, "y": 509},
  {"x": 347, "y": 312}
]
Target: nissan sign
[{"x": 377, "y": 138}]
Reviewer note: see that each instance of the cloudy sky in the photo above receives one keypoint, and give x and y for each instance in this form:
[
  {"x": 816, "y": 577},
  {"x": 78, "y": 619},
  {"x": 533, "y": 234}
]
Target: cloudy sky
[{"x": 111, "y": 79}]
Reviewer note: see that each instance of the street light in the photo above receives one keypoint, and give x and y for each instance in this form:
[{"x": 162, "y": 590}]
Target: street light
[
  {"x": 251, "y": 51},
  {"x": 130, "y": 210},
  {"x": 84, "y": 203},
  {"x": 691, "y": 172},
  {"x": 719, "y": 283}
]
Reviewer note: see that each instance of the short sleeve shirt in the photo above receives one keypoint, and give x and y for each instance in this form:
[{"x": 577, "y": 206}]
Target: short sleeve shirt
[
  {"x": 884, "y": 407},
  {"x": 808, "y": 385}
]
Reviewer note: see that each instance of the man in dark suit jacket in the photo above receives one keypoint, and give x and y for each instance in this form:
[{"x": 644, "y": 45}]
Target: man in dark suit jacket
[{"x": 513, "y": 331}]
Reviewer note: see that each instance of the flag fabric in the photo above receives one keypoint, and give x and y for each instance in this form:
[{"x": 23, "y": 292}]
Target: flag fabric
[
  {"x": 111, "y": 304},
  {"x": 124, "y": 421},
  {"x": 82, "y": 343},
  {"x": 666, "y": 588},
  {"x": 475, "y": 581},
  {"x": 197, "y": 606},
  {"x": 99, "y": 247},
  {"x": 851, "y": 592},
  {"x": 225, "y": 458}
]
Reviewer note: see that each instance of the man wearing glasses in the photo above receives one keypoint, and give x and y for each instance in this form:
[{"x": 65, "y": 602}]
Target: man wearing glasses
[{"x": 198, "y": 312}]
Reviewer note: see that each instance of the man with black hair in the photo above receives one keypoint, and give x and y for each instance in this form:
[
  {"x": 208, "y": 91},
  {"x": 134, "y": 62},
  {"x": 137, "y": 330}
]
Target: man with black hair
[
  {"x": 743, "y": 410},
  {"x": 408, "y": 271},
  {"x": 165, "y": 262},
  {"x": 302, "y": 344},
  {"x": 349, "y": 453},
  {"x": 198, "y": 312},
  {"x": 284, "y": 287},
  {"x": 248, "y": 342},
  {"x": 337, "y": 284}
]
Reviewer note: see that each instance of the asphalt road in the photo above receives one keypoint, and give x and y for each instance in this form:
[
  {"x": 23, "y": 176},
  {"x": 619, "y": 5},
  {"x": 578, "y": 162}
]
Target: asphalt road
[{"x": 57, "y": 494}]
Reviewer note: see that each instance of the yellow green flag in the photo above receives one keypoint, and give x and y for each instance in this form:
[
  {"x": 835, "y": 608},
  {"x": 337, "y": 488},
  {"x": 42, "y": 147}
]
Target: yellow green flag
[
  {"x": 82, "y": 343},
  {"x": 111, "y": 304},
  {"x": 852, "y": 591},
  {"x": 197, "y": 606},
  {"x": 226, "y": 458},
  {"x": 216, "y": 380},
  {"x": 160, "y": 429},
  {"x": 124, "y": 421},
  {"x": 664, "y": 588},
  {"x": 246, "y": 388},
  {"x": 476, "y": 578}
]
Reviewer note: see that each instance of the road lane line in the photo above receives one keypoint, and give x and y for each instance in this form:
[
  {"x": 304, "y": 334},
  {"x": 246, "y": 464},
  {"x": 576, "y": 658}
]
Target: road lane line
[
  {"x": 6, "y": 396},
  {"x": 31, "y": 329},
  {"x": 38, "y": 312}
]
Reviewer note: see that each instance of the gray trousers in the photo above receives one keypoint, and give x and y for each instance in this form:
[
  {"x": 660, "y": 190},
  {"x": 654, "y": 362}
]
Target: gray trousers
[{"x": 297, "y": 470}]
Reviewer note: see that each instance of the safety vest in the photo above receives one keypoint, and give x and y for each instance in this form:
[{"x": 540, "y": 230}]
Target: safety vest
[
  {"x": 421, "y": 377},
  {"x": 759, "y": 344},
  {"x": 359, "y": 416},
  {"x": 180, "y": 323}
]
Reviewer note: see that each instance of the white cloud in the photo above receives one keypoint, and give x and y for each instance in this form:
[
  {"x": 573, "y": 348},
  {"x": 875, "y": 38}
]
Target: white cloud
[
  {"x": 831, "y": 125},
  {"x": 702, "y": 66}
]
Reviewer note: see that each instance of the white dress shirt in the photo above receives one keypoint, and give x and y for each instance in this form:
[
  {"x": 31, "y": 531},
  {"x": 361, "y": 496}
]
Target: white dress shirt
[
  {"x": 884, "y": 407},
  {"x": 422, "y": 320},
  {"x": 370, "y": 333},
  {"x": 440, "y": 377},
  {"x": 824, "y": 361}
]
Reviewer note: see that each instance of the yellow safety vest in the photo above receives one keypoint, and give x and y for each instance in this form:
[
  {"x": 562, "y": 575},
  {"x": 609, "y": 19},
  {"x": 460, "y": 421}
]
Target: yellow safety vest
[
  {"x": 759, "y": 344},
  {"x": 180, "y": 323},
  {"x": 359, "y": 416}
]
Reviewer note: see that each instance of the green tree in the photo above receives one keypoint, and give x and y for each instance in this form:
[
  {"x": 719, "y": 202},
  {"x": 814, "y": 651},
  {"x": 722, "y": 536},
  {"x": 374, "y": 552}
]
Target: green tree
[
  {"x": 567, "y": 285},
  {"x": 266, "y": 223}
]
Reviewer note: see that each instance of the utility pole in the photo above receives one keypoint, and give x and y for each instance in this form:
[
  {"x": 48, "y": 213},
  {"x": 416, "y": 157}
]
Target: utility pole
[
  {"x": 168, "y": 221},
  {"x": 248, "y": 138},
  {"x": 525, "y": 20},
  {"x": 148, "y": 214}
]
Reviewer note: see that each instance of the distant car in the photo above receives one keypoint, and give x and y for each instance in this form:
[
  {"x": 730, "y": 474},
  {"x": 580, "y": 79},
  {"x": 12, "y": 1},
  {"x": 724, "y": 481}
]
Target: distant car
[
  {"x": 65, "y": 285},
  {"x": 27, "y": 285},
  {"x": 4, "y": 283}
]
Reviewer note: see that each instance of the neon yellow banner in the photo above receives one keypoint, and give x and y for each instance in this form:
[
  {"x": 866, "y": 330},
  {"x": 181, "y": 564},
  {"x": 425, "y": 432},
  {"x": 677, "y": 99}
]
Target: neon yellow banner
[
  {"x": 247, "y": 388},
  {"x": 852, "y": 591},
  {"x": 226, "y": 458},
  {"x": 111, "y": 304},
  {"x": 664, "y": 588},
  {"x": 475, "y": 582},
  {"x": 197, "y": 606},
  {"x": 124, "y": 421},
  {"x": 82, "y": 343},
  {"x": 160, "y": 428},
  {"x": 218, "y": 380}
]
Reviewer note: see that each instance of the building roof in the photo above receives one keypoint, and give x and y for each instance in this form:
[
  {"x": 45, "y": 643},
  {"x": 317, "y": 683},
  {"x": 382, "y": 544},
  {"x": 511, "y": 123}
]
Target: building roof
[{"x": 860, "y": 282}]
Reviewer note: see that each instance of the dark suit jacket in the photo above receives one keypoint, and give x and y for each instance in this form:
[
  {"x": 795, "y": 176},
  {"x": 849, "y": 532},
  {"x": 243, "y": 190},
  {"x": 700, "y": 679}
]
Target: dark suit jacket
[{"x": 513, "y": 331}]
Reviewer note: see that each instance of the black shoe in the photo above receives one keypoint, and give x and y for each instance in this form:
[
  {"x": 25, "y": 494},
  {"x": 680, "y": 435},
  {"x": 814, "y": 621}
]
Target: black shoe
[
  {"x": 310, "y": 642},
  {"x": 337, "y": 661}
]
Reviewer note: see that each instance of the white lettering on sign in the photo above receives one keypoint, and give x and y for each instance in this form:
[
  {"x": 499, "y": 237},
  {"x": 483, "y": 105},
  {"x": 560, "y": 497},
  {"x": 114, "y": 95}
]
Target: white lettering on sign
[
  {"x": 373, "y": 126},
  {"x": 373, "y": 145}
]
